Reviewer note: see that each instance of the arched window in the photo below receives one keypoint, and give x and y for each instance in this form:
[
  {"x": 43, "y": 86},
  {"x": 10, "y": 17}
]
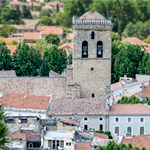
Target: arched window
[
  {"x": 99, "y": 49},
  {"x": 92, "y": 35},
  {"x": 84, "y": 49}
]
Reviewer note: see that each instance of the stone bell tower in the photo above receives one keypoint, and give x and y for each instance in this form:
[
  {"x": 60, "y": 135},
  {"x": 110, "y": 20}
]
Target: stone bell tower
[{"x": 92, "y": 54}]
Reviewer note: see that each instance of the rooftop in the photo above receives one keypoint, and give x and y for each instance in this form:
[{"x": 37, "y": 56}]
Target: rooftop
[
  {"x": 32, "y": 36},
  {"x": 12, "y": 48},
  {"x": 13, "y": 100},
  {"x": 73, "y": 106},
  {"x": 146, "y": 92},
  {"x": 130, "y": 109},
  {"x": 18, "y": 136},
  {"x": 50, "y": 29},
  {"x": 139, "y": 141},
  {"x": 83, "y": 146},
  {"x": 70, "y": 45}
]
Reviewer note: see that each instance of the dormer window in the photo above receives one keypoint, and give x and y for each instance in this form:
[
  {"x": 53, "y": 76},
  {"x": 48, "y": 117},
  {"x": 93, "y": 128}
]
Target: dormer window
[
  {"x": 93, "y": 35},
  {"x": 99, "y": 49},
  {"x": 84, "y": 49}
]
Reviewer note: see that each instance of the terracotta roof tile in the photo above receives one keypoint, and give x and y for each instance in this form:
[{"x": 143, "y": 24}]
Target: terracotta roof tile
[
  {"x": 13, "y": 100},
  {"x": 32, "y": 36},
  {"x": 33, "y": 137},
  {"x": 130, "y": 109},
  {"x": 7, "y": 73},
  {"x": 55, "y": 73},
  {"x": 18, "y": 136},
  {"x": 69, "y": 122},
  {"x": 55, "y": 3},
  {"x": 24, "y": 27},
  {"x": 83, "y": 146},
  {"x": 12, "y": 48},
  {"x": 50, "y": 30},
  {"x": 146, "y": 92},
  {"x": 34, "y": 4},
  {"x": 15, "y": 2},
  {"x": 92, "y": 15},
  {"x": 69, "y": 36},
  {"x": 73, "y": 106},
  {"x": 134, "y": 41},
  {"x": 70, "y": 45},
  {"x": 47, "y": 7},
  {"x": 101, "y": 135},
  {"x": 9, "y": 40},
  {"x": 138, "y": 141}
]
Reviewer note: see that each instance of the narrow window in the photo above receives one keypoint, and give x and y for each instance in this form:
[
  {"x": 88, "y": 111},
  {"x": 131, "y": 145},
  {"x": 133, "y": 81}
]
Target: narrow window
[
  {"x": 93, "y": 95},
  {"x": 141, "y": 130},
  {"x": 100, "y": 119},
  {"x": 92, "y": 35},
  {"x": 92, "y": 69},
  {"x": 117, "y": 130},
  {"x": 129, "y": 130},
  {"x": 129, "y": 119},
  {"x": 141, "y": 119},
  {"x": 85, "y": 127},
  {"x": 84, "y": 49},
  {"x": 101, "y": 127},
  {"x": 9, "y": 120},
  {"x": 99, "y": 49},
  {"x": 116, "y": 119},
  {"x": 85, "y": 119}
]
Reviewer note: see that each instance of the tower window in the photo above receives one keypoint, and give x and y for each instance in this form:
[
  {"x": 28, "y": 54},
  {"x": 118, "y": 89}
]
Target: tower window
[
  {"x": 93, "y": 95},
  {"x": 84, "y": 49},
  {"x": 99, "y": 49},
  {"x": 92, "y": 35}
]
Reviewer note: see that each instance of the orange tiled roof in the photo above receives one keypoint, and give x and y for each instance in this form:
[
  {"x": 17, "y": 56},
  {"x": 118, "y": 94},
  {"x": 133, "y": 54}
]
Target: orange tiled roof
[
  {"x": 24, "y": 27},
  {"x": 138, "y": 141},
  {"x": 146, "y": 92},
  {"x": 134, "y": 41},
  {"x": 34, "y": 4},
  {"x": 69, "y": 36},
  {"x": 92, "y": 15},
  {"x": 32, "y": 36},
  {"x": 18, "y": 136},
  {"x": 12, "y": 48},
  {"x": 47, "y": 7},
  {"x": 55, "y": 3},
  {"x": 69, "y": 122},
  {"x": 9, "y": 40},
  {"x": 83, "y": 146},
  {"x": 13, "y": 100},
  {"x": 50, "y": 30},
  {"x": 15, "y": 2},
  {"x": 70, "y": 45},
  {"x": 130, "y": 109}
]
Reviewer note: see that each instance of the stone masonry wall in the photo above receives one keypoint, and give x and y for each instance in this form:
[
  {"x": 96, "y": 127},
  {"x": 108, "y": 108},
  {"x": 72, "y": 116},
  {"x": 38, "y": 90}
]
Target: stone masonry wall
[{"x": 34, "y": 86}]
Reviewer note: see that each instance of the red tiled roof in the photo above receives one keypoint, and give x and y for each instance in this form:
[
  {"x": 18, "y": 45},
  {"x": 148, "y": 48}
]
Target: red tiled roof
[
  {"x": 83, "y": 146},
  {"x": 70, "y": 45},
  {"x": 69, "y": 122},
  {"x": 92, "y": 15},
  {"x": 134, "y": 41},
  {"x": 15, "y": 2},
  {"x": 9, "y": 40},
  {"x": 33, "y": 137},
  {"x": 13, "y": 100},
  {"x": 73, "y": 106},
  {"x": 32, "y": 36},
  {"x": 12, "y": 48},
  {"x": 34, "y": 4},
  {"x": 24, "y": 27},
  {"x": 69, "y": 36},
  {"x": 50, "y": 30},
  {"x": 47, "y": 7},
  {"x": 146, "y": 92},
  {"x": 139, "y": 141},
  {"x": 130, "y": 109},
  {"x": 101, "y": 135},
  {"x": 55, "y": 73},
  {"x": 55, "y": 3},
  {"x": 18, "y": 136}
]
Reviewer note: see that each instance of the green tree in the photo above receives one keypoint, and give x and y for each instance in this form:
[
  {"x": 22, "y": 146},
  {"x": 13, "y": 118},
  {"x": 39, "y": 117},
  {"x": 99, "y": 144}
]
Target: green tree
[
  {"x": 127, "y": 60},
  {"x": 41, "y": 45},
  {"x": 55, "y": 59},
  {"x": 26, "y": 12},
  {"x": 6, "y": 31},
  {"x": 147, "y": 40},
  {"x": 47, "y": 13},
  {"x": 3, "y": 129},
  {"x": 9, "y": 15},
  {"x": 45, "y": 21},
  {"x": 144, "y": 65},
  {"x": 27, "y": 61},
  {"x": 70, "y": 59},
  {"x": 52, "y": 39},
  {"x": 5, "y": 58}
]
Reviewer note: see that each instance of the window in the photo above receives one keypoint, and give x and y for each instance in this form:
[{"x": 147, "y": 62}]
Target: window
[
  {"x": 92, "y": 69},
  {"x": 85, "y": 119},
  {"x": 84, "y": 49},
  {"x": 117, "y": 130},
  {"x": 23, "y": 120},
  {"x": 93, "y": 95},
  {"x": 99, "y": 49},
  {"x": 141, "y": 130},
  {"x": 101, "y": 127},
  {"x": 129, "y": 130},
  {"x": 92, "y": 35},
  {"x": 100, "y": 119},
  {"x": 9, "y": 120},
  {"x": 85, "y": 127},
  {"x": 129, "y": 119},
  {"x": 141, "y": 119},
  {"x": 68, "y": 144},
  {"x": 116, "y": 119}
]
